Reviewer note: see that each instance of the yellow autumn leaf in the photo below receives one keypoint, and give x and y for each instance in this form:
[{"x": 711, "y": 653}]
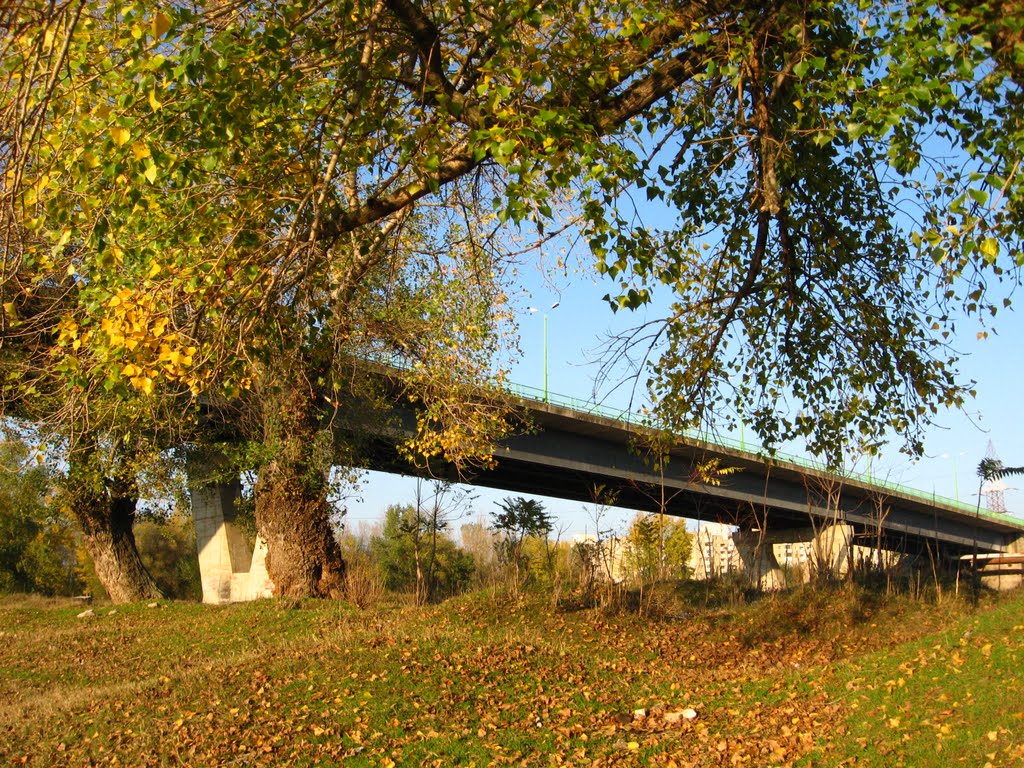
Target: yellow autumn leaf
[
  {"x": 120, "y": 135},
  {"x": 154, "y": 269},
  {"x": 989, "y": 248},
  {"x": 161, "y": 24},
  {"x": 144, "y": 384},
  {"x": 130, "y": 370},
  {"x": 154, "y": 102},
  {"x": 140, "y": 150}
]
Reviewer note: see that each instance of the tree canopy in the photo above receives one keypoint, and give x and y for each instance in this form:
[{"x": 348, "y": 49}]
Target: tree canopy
[{"x": 198, "y": 197}]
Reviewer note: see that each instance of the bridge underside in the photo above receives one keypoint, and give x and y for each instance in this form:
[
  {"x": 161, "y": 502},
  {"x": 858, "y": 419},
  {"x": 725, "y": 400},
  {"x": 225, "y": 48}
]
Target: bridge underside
[{"x": 570, "y": 454}]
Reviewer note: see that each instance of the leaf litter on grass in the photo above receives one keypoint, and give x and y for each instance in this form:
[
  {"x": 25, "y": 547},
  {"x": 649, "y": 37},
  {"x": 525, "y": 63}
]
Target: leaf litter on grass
[{"x": 477, "y": 680}]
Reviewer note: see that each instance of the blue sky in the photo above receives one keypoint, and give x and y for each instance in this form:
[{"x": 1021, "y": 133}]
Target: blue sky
[{"x": 953, "y": 447}]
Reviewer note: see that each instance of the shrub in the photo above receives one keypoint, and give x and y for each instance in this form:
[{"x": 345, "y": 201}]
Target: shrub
[
  {"x": 167, "y": 547},
  {"x": 37, "y": 541}
]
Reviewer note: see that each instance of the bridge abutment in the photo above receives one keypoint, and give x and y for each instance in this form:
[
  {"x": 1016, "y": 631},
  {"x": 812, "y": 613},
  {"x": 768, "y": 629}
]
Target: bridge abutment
[
  {"x": 1005, "y": 571},
  {"x": 230, "y": 569}
]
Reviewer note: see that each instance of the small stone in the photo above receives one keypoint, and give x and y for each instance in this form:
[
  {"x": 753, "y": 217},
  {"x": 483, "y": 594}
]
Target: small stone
[
  {"x": 682, "y": 714},
  {"x": 112, "y": 612},
  {"x": 639, "y": 714},
  {"x": 87, "y": 614},
  {"x": 153, "y": 605}
]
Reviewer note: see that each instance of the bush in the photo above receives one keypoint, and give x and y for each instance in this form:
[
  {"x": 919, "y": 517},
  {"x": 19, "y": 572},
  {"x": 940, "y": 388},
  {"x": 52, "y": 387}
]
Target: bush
[
  {"x": 444, "y": 568},
  {"x": 37, "y": 541},
  {"x": 167, "y": 547}
]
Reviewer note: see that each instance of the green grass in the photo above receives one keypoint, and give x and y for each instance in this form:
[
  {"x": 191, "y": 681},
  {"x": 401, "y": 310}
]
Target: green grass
[{"x": 823, "y": 678}]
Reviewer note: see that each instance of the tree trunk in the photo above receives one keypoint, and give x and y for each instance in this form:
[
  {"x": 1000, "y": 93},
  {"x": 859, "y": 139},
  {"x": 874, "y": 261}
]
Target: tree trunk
[
  {"x": 303, "y": 557},
  {"x": 292, "y": 511},
  {"x": 106, "y": 517}
]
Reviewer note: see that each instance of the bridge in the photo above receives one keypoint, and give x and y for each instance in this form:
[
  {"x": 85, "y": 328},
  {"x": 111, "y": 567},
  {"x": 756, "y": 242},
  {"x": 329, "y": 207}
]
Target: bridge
[{"x": 574, "y": 448}]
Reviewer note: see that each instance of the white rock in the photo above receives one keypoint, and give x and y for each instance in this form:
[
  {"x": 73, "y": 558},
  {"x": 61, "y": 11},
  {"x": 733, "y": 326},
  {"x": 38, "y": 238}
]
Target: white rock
[
  {"x": 682, "y": 714},
  {"x": 87, "y": 614},
  {"x": 639, "y": 714}
]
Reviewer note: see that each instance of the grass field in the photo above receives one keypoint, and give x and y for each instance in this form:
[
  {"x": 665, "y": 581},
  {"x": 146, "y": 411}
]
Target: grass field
[{"x": 838, "y": 676}]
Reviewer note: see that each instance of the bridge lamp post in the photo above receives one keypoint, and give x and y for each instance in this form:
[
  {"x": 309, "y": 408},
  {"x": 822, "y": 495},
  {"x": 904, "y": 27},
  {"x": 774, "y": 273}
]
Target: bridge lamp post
[
  {"x": 956, "y": 471},
  {"x": 533, "y": 311},
  {"x": 733, "y": 379}
]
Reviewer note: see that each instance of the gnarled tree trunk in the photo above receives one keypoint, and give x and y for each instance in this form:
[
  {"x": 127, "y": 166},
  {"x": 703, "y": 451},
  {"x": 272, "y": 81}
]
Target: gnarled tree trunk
[
  {"x": 292, "y": 511},
  {"x": 105, "y": 511},
  {"x": 303, "y": 557}
]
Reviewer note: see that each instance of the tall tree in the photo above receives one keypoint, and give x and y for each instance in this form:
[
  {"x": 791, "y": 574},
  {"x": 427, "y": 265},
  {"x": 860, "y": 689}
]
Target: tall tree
[
  {"x": 840, "y": 189},
  {"x": 223, "y": 196}
]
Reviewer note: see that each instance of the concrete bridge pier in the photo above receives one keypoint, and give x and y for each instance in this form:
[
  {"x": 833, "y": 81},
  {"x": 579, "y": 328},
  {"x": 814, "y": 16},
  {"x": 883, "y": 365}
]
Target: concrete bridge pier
[
  {"x": 231, "y": 571},
  {"x": 757, "y": 555},
  {"x": 832, "y": 550}
]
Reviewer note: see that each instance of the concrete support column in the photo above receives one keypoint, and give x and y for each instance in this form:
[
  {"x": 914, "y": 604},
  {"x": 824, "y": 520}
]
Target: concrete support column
[
  {"x": 833, "y": 550},
  {"x": 1006, "y": 571},
  {"x": 758, "y": 558},
  {"x": 230, "y": 570}
]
